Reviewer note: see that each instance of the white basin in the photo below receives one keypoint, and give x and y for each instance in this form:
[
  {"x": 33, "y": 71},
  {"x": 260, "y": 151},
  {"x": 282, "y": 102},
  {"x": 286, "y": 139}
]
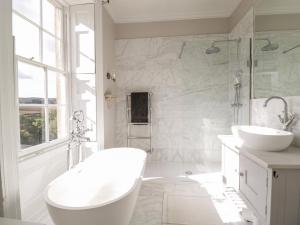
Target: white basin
[{"x": 262, "y": 138}]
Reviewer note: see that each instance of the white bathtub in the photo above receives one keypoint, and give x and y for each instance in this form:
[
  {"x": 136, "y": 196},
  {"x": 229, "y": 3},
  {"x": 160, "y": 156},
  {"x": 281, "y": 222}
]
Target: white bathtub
[{"x": 101, "y": 191}]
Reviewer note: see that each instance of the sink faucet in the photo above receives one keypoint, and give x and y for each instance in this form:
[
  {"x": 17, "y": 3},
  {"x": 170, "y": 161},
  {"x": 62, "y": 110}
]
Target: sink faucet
[{"x": 287, "y": 119}]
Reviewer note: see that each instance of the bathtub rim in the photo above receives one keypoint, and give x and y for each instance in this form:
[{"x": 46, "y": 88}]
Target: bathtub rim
[{"x": 94, "y": 206}]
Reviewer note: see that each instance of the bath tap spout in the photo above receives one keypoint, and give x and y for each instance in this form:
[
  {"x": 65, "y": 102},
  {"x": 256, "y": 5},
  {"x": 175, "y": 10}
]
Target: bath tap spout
[{"x": 85, "y": 139}]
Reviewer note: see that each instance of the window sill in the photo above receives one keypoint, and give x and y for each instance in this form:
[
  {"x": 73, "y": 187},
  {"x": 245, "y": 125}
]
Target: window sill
[{"x": 41, "y": 149}]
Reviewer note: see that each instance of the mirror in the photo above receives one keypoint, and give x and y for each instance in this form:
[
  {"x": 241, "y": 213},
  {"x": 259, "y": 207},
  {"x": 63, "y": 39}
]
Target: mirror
[{"x": 276, "y": 61}]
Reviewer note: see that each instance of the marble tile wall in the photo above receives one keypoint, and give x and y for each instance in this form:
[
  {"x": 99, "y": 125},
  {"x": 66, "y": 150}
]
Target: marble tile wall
[
  {"x": 190, "y": 102},
  {"x": 268, "y": 116},
  {"x": 277, "y": 73},
  {"x": 34, "y": 176},
  {"x": 282, "y": 71}
]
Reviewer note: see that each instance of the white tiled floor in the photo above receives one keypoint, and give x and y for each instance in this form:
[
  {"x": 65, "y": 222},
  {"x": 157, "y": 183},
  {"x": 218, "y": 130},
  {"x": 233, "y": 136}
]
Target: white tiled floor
[{"x": 170, "y": 196}]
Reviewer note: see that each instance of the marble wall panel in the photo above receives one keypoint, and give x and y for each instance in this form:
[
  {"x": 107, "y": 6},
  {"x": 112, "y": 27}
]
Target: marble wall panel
[{"x": 190, "y": 103}]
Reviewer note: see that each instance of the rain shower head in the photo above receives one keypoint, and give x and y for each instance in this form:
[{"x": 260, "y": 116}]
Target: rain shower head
[
  {"x": 212, "y": 50},
  {"x": 270, "y": 46}
]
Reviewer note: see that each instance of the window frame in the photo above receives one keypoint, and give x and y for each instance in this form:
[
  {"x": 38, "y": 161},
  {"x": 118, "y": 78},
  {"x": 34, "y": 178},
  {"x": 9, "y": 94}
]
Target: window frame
[{"x": 38, "y": 149}]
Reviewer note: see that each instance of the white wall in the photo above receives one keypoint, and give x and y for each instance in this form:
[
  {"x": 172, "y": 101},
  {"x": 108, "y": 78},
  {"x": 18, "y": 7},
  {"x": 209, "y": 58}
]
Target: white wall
[
  {"x": 82, "y": 32},
  {"x": 109, "y": 86},
  {"x": 34, "y": 176},
  {"x": 83, "y": 69},
  {"x": 9, "y": 114},
  {"x": 105, "y": 35}
]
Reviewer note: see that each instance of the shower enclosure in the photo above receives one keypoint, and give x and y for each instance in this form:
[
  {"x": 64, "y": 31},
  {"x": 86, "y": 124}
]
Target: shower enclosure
[
  {"x": 237, "y": 83},
  {"x": 199, "y": 86}
]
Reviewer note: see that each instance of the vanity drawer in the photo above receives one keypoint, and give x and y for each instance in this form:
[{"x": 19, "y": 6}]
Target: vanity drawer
[{"x": 253, "y": 184}]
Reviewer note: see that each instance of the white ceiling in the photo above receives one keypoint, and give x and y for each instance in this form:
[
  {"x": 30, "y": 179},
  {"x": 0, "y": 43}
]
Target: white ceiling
[
  {"x": 78, "y": 2},
  {"x": 129, "y": 11}
]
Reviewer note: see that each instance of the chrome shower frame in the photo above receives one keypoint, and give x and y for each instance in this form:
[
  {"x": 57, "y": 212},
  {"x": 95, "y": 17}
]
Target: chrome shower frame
[
  {"x": 181, "y": 50},
  {"x": 291, "y": 49}
]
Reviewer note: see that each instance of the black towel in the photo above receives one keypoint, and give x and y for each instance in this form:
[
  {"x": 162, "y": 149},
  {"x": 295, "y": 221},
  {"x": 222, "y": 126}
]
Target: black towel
[{"x": 139, "y": 107}]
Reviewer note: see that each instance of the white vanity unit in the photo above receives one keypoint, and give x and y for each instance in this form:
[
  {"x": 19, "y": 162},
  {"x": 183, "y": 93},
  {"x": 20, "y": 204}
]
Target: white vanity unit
[{"x": 269, "y": 181}]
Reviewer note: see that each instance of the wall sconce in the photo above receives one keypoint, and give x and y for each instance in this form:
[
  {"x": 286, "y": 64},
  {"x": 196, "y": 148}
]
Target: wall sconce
[{"x": 110, "y": 76}]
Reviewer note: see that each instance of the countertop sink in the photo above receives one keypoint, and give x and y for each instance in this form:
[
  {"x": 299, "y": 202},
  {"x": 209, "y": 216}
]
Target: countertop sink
[{"x": 262, "y": 138}]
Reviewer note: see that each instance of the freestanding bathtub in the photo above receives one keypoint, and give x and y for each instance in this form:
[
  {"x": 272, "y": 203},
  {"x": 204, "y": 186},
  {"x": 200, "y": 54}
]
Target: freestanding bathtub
[{"x": 101, "y": 191}]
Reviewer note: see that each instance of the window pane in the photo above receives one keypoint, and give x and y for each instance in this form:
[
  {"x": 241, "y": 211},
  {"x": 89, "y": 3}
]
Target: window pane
[
  {"x": 31, "y": 84},
  {"x": 49, "y": 16},
  {"x": 27, "y": 38},
  {"x": 59, "y": 23},
  {"x": 57, "y": 122},
  {"x": 52, "y": 51},
  {"x": 56, "y": 88},
  {"x": 85, "y": 52},
  {"x": 59, "y": 54},
  {"x": 32, "y": 126},
  {"x": 28, "y": 8},
  {"x": 53, "y": 123},
  {"x": 49, "y": 50}
]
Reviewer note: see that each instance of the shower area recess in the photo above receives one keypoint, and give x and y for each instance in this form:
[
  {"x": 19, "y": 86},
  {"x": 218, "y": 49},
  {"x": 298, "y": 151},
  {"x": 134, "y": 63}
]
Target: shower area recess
[{"x": 192, "y": 94}]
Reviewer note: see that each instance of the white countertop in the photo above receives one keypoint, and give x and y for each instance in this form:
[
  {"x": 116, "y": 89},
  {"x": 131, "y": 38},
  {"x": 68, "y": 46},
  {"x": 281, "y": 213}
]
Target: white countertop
[
  {"x": 5, "y": 221},
  {"x": 288, "y": 159}
]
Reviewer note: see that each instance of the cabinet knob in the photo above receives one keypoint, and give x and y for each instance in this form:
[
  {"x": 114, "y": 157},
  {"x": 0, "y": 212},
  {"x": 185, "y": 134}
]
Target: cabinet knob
[{"x": 241, "y": 174}]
